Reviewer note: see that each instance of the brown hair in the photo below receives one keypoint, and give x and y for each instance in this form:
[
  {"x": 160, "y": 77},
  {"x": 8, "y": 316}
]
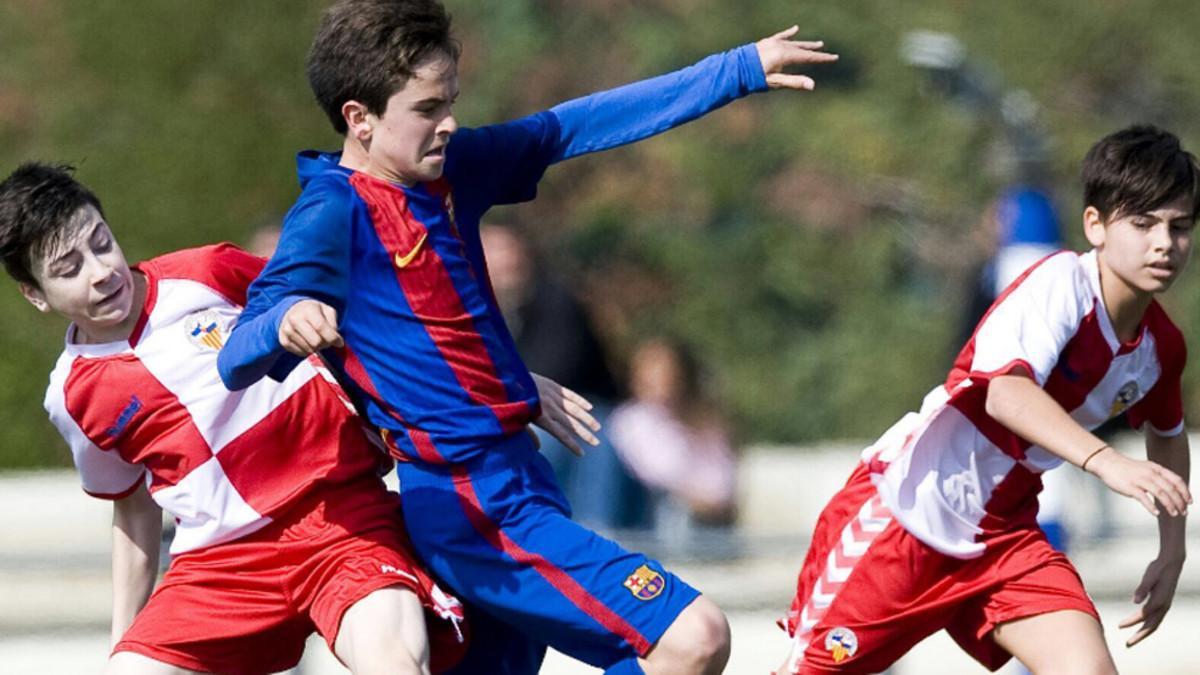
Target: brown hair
[
  {"x": 1137, "y": 170},
  {"x": 365, "y": 51}
]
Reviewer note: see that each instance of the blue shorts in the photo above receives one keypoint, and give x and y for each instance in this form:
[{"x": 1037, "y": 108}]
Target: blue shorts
[{"x": 497, "y": 530}]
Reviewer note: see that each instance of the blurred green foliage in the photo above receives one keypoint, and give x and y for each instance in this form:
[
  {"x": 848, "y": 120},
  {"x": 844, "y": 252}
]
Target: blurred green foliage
[{"x": 813, "y": 248}]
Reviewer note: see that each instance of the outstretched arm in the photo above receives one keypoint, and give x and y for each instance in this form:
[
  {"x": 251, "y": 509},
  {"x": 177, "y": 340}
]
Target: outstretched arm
[
  {"x": 639, "y": 110},
  {"x": 1157, "y": 588},
  {"x": 137, "y": 535},
  {"x": 1017, "y": 402}
]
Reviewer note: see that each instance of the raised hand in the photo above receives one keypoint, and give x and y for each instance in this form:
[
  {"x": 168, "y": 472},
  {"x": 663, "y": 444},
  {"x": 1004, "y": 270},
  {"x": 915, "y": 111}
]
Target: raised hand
[
  {"x": 780, "y": 51},
  {"x": 565, "y": 415},
  {"x": 1147, "y": 482},
  {"x": 309, "y": 326}
]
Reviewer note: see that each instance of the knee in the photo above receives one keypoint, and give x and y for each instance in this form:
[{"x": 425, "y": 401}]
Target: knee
[{"x": 699, "y": 638}]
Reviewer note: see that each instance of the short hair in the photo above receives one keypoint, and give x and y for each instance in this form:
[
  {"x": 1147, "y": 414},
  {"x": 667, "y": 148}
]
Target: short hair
[
  {"x": 1138, "y": 169},
  {"x": 366, "y": 50},
  {"x": 38, "y": 204}
]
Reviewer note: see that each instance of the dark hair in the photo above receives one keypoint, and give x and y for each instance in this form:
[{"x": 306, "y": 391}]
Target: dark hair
[
  {"x": 365, "y": 51},
  {"x": 1137, "y": 170},
  {"x": 38, "y": 203}
]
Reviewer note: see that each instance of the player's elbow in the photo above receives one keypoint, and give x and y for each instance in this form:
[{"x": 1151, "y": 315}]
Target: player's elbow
[
  {"x": 233, "y": 375},
  {"x": 1001, "y": 400}
]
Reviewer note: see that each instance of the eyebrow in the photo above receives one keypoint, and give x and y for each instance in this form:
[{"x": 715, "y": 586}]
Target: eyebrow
[{"x": 63, "y": 258}]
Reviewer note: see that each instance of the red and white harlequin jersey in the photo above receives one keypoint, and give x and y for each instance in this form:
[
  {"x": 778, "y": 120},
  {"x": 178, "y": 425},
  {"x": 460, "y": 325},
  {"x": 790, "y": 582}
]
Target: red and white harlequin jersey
[
  {"x": 153, "y": 408},
  {"x": 951, "y": 474}
]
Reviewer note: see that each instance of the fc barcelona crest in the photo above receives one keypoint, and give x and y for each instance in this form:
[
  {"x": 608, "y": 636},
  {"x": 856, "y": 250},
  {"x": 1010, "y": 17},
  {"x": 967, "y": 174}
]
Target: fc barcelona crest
[
  {"x": 206, "y": 330},
  {"x": 645, "y": 583}
]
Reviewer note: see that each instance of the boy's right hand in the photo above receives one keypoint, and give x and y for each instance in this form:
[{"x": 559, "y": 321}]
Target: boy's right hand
[
  {"x": 308, "y": 327},
  {"x": 1143, "y": 480},
  {"x": 780, "y": 51}
]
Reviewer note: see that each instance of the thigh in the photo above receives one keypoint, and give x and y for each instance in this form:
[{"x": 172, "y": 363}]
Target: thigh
[
  {"x": 504, "y": 542},
  {"x": 384, "y": 631},
  {"x": 129, "y": 663},
  {"x": 353, "y": 557},
  {"x": 1063, "y": 641}
]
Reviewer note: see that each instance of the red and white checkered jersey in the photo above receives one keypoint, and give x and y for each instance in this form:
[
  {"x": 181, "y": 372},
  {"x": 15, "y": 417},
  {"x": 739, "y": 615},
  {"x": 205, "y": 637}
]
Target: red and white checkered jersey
[
  {"x": 154, "y": 408},
  {"x": 951, "y": 474}
]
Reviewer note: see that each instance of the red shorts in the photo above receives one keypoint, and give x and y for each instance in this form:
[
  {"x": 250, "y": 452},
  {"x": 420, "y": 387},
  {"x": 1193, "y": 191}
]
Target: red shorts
[
  {"x": 248, "y": 605},
  {"x": 869, "y": 590}
]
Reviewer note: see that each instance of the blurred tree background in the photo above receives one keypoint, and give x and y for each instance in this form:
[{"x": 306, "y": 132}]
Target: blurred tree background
[{"x": 815, "y": 249}]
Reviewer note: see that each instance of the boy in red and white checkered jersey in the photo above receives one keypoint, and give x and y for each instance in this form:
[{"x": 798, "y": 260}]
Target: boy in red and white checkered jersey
[
  {"x": 936, "y": 527},
  {"x": 283, "y": 525}
]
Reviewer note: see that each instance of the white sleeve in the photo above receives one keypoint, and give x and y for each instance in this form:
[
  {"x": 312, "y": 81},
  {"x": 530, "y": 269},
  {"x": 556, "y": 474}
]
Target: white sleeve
[
  {"x": 104, "y": 473},
  {"x": 1032, "y": 324}
]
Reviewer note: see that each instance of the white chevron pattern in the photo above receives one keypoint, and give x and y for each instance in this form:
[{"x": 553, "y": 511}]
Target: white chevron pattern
[{"x": 856, "y": 538}]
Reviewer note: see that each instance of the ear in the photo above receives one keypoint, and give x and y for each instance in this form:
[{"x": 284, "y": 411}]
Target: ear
[
  {"x": 35, "y": 297},
  {"x": 1094, "y": 227},
  {"x": 358, "y": 122}
]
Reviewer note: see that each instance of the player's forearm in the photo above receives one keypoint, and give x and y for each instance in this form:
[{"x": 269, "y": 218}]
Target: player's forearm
[
  {"x": 1172, "y": 453},
  {"x": 1024, "y": 408},
  {"x": 636, "y": 111},
  {"x": 253, "y": 349},
  {"x": 137, "y": 535}
]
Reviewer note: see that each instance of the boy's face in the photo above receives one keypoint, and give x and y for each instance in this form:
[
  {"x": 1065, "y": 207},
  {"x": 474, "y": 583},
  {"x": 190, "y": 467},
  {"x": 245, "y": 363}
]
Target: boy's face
[
  {"x": 408, "y": 142},
  {"x": 1147, "y": 251},
  {"x": 86, "y": 279}
]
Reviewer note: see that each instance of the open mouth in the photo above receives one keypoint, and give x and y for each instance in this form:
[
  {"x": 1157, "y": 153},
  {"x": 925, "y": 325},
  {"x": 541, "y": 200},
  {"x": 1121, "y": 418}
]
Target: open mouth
[{"x": 112, "y": 298}]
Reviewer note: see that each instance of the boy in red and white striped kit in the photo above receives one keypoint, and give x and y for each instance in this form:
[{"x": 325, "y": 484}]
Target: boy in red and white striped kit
[
  {"x": 936, "y": 527},
  {"x": 283, "y": 525}
]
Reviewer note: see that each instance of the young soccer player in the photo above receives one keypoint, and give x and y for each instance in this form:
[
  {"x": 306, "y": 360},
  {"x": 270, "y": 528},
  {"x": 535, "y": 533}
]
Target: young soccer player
[
  {"x": 283, "y": 525},
  {"x": 382, "y": 250},
  {"x": 936, "y": 528}
]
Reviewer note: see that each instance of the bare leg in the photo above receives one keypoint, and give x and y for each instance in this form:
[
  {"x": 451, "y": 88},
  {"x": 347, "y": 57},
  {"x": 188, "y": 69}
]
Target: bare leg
[
  {"x": 697, "y": 643},
  {"x": 384, "y": 633},
  {"x": 129, "y": 663},
  {"x": 1057, "y": 643}
]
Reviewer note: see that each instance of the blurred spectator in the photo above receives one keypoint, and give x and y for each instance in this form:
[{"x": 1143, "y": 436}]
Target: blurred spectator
[
  {"x": 675, "y": 442},
  {"x": 555, "y": 337}
]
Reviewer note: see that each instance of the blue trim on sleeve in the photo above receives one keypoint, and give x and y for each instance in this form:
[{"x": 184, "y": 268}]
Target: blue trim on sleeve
[{"x": 253, "y": 349}]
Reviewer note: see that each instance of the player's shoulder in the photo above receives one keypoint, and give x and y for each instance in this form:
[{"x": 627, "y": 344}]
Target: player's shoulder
[
  {"x": 79, "y": 382},
  {"x": 199, "y": 263},
  {"x": 1053, "y": 283}
]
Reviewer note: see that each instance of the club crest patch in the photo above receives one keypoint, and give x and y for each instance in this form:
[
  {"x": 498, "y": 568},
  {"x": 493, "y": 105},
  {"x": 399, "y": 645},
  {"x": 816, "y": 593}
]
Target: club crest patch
[
  {"x": 645, "y": 583},
  {"x": 206, "y": 330},
  {"x": 842, "y": 643},
  {"x": 1124, "y": 398}
]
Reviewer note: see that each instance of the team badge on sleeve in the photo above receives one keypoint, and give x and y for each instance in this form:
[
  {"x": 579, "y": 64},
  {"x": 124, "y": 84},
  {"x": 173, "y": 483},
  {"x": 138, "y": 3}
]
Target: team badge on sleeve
[
  {"x": 206, "y": 330},
  {"x": 842, "y": 643},
  {"x": 645, "y": 583}
]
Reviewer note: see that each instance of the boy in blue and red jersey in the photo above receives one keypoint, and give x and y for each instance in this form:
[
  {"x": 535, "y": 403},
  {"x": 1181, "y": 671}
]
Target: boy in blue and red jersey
[{"x": 380, "y": 265}]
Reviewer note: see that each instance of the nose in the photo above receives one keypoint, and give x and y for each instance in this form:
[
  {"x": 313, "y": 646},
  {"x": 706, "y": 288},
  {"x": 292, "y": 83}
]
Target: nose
[
  {"x": 448, "y": 126},
  {"x": 1161, "y": 238},
  {"x": 99, "y": 270}
]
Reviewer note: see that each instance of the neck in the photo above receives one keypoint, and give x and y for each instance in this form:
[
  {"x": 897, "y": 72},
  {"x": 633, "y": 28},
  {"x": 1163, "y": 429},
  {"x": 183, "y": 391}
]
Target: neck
[
  {"x": 122, "y": 330},
  {"x": 1125, "y": 304},
  {"x": 356, "y": 158}
]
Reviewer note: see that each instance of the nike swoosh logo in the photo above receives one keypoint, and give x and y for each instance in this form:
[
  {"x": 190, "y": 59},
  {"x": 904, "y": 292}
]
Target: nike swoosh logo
[{"x": 402, "y": 261}]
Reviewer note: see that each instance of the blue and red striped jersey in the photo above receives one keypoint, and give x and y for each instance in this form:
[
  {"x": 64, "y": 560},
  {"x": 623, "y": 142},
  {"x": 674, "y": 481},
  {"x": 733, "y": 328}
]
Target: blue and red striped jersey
[{"x": 427, "y": 351}]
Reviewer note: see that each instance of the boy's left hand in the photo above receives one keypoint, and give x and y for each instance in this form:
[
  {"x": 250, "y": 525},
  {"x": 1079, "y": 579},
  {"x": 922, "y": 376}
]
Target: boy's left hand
[
  {"x": 565, "y": 415},
  {"x": 1157, "y": 590},
  {"x": 780, "y": 51}
]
